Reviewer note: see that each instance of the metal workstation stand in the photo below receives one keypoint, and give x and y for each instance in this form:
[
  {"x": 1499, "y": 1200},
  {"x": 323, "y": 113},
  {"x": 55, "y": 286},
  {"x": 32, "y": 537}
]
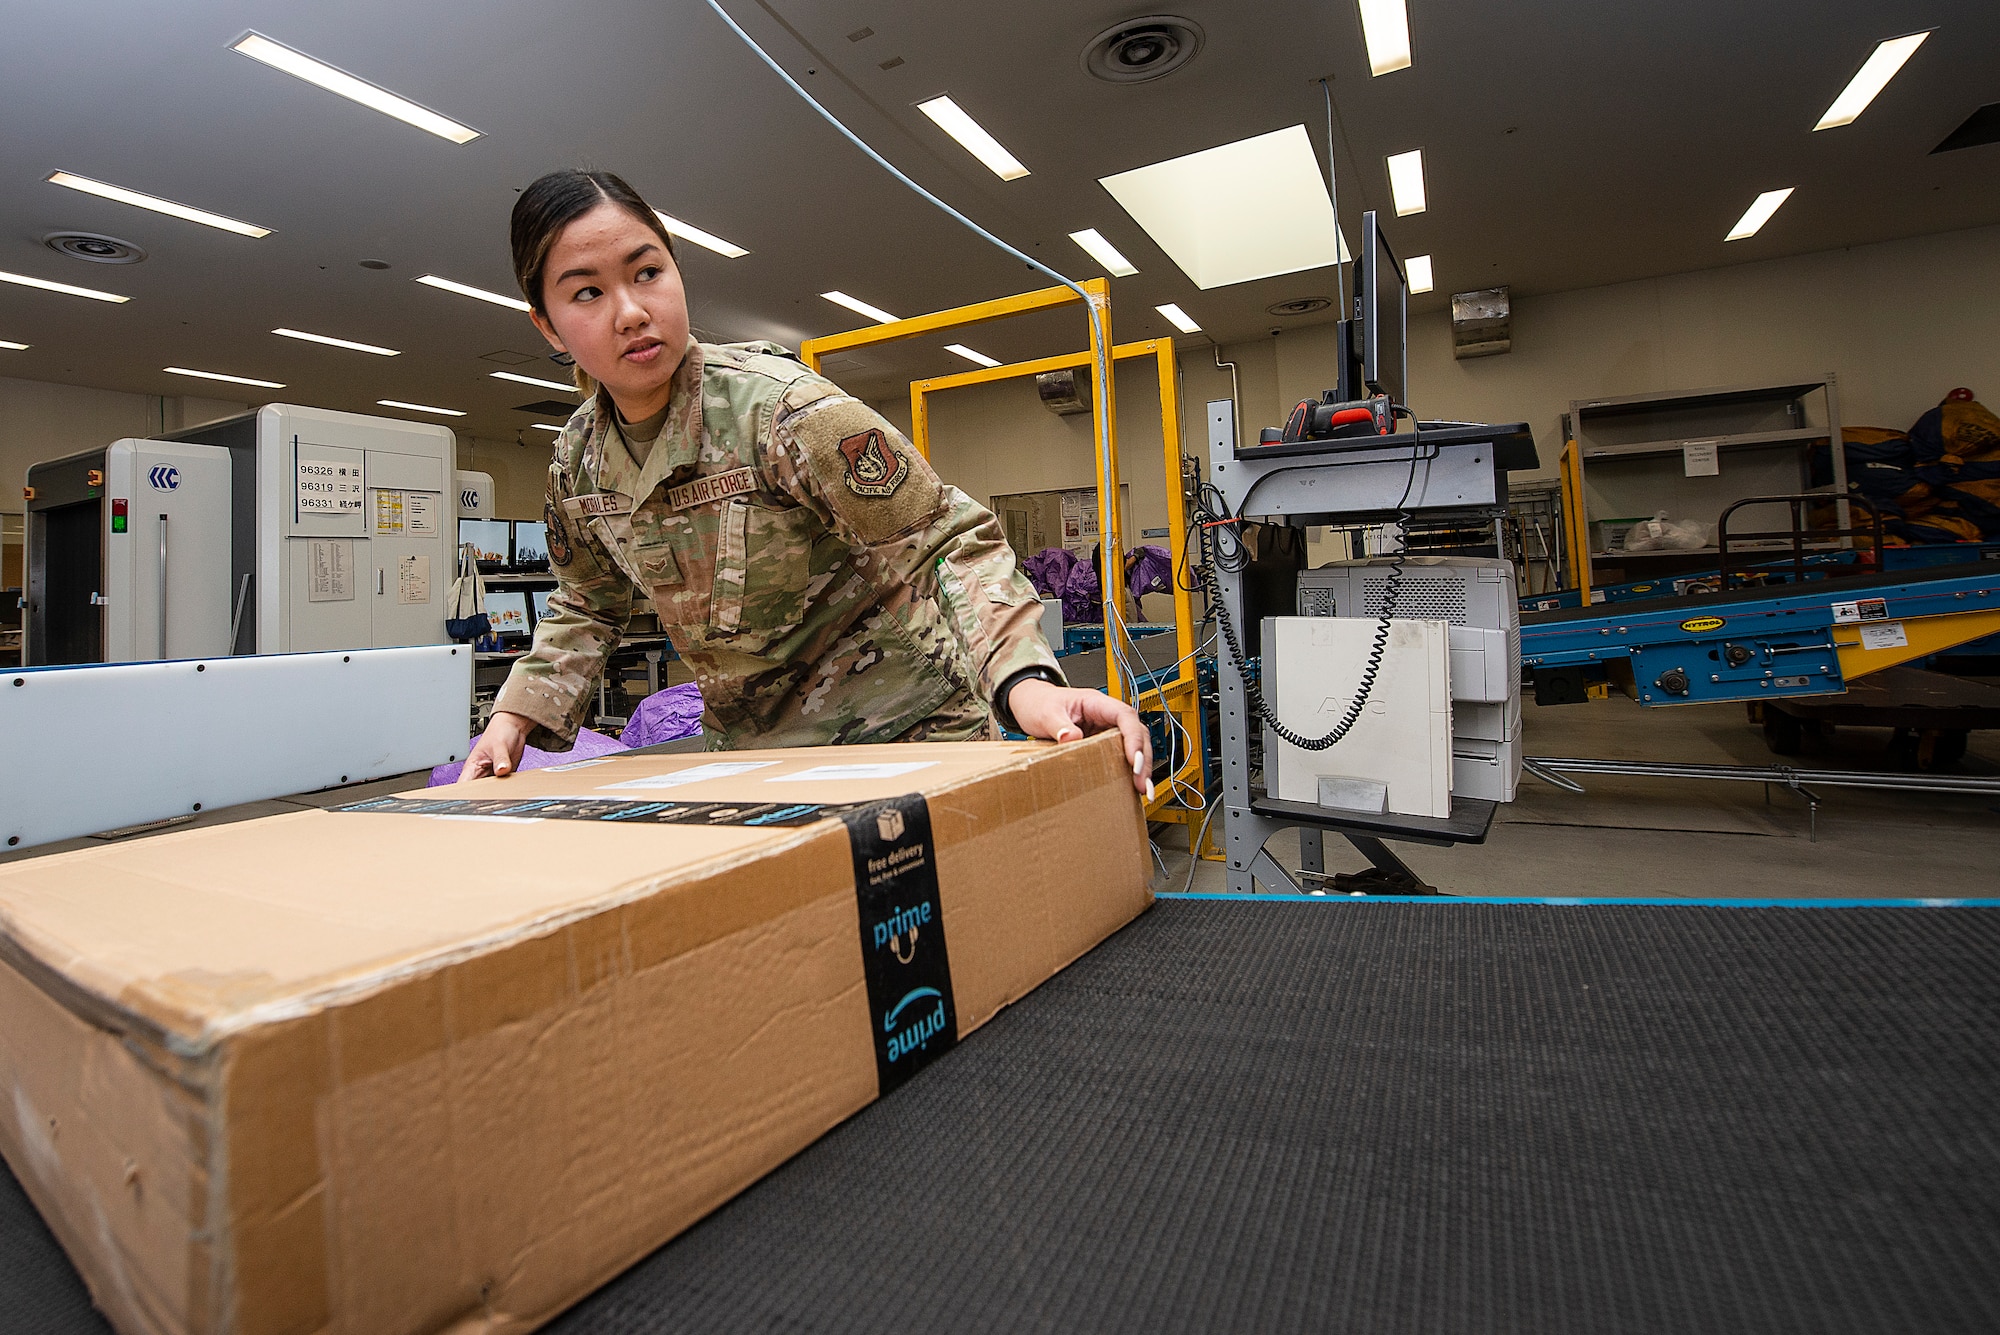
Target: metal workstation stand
[{"x": 1435, "y": 471}]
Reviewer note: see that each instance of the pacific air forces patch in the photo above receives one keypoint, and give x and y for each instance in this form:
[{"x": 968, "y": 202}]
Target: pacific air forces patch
[
  {"x": 874, "y": 468},
  {"x": 559, "y": 548}
]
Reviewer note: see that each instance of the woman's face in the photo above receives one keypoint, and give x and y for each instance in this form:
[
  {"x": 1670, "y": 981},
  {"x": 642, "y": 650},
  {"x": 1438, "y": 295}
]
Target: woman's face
[{"x": 615, "y": 303}]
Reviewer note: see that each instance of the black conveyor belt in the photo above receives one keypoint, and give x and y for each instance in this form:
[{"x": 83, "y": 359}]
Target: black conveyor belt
[{"x": 1335, "y": 1115}]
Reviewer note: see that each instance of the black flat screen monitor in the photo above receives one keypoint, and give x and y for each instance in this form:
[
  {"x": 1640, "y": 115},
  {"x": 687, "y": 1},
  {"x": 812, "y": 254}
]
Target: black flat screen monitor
[
  {"x": 509, "y": 614},
  {"x": 1382, "y": 307},
  {"x": 531, "y": 544},
  {"x": 540, "y": 600},
  {"x": 492, "y": 539}
]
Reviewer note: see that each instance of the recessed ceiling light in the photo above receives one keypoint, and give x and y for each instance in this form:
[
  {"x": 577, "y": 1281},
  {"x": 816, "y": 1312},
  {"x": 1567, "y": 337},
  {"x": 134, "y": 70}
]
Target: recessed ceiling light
[
  {"x": 977, "y": 358},
  {"x": 544, "y": 426},
  {"x": 530, "y": 380},
  {"x": 1104, "y": 252},
  {"x": 217, "y": 375},
  {"x": 12, "y": 346},
  {"x": 1870, "y": 79},
  {"x": 300, "y": 65},
  {"x": 155, "y": 203},
  {"x": 859, "y": 307},
  {"x": 1385, "y": 24},
  {"x": 477, "y": 293},
  {"x": 338, "y": 342},
  {"x": 1251, "y": 209},
  {"x": 420, "y": 408},
  {"x": 1178, "y": 318},
  {"x": 1758, "y": 213},
  {"x": 1418, "y": 271},
  {"x": 1406, "y": 182},
  {"x": 64, "y": 288},
  {"x": 706, "y": 240},
  {"x": 973, "y": 138}
]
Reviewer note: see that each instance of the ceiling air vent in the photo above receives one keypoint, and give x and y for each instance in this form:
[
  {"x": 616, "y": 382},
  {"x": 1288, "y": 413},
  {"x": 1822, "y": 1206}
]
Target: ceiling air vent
[
  {"x": 94, "y": 248},
  {"x": 1981, "y": 127},
  {"x": 547, "y": 408},
  {"x": 1141, "y": 49},
  {"x": 1481, "y": 323},
  {"x": 1300, "y": 306}
]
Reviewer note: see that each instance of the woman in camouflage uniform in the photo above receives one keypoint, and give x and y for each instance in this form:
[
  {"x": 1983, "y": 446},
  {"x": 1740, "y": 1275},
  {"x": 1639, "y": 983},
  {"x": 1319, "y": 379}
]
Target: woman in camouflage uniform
[{"x": 820, "y": 580}]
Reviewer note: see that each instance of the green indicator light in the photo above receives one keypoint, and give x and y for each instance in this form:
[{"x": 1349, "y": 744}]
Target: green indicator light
[{"x": 118, "y": 523}]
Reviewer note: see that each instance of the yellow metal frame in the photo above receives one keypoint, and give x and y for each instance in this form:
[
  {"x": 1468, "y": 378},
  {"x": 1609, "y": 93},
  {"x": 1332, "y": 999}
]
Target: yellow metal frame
[{"x": 1178, "y": 696}]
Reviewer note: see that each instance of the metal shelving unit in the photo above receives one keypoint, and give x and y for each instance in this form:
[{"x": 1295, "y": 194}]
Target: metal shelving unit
[{"x": 1639, "y": 454}]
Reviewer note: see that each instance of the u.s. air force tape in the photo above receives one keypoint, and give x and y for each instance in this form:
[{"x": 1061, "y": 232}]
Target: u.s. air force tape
[{"x": 912, "y": 1018}]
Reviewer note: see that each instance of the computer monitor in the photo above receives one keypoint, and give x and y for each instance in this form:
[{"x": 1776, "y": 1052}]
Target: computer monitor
[
  {"x": 531, "y": 545},
  {"x": 492, "y": 538},
  {"x": 1382, "y": 312},
  {"x": 509, "y": 614},
  {"x": 540, "y": 598}
]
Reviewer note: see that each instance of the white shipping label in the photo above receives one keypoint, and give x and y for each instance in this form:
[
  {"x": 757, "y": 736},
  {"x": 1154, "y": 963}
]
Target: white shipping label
[
  {"x": 327, "y": 480},
  {"x": 579, "y": 764},
  {"x": 413, "y": 579},
  {"x": 420, "y": 513},
  {"x": 847, "y": 773},
  {"x": 330, "y": 570},
  {"x": 1884, "y": 635},
  {"x": 1698, "y": 459},
  {"x": 720, "y": 769}
]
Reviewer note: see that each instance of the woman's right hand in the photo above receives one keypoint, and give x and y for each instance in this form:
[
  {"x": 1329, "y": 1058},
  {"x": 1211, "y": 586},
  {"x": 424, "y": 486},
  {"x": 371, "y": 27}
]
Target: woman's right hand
[{"x": 498, "y": 750}]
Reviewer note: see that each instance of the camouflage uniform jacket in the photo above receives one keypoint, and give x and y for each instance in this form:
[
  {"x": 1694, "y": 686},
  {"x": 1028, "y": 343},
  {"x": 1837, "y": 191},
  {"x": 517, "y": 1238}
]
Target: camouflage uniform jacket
[{"x": 822, "y": 583}]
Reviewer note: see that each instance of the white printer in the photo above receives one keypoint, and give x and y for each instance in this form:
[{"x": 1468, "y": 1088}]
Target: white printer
[{"x": 1477, "y": 599}]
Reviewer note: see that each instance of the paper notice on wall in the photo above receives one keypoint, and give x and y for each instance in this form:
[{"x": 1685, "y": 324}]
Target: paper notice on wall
[
  {"x": 1072, "y": 505},
  {"x": 420, "y": 513},
  {"x": 1698, "y": 459},
  {"x": 388, "y": 511},
  {"x": 327, "y": 480},
  {"x": 413, "y": 579},
  {"x": 330, "y": 570},
  {"x": 1884, "y": 635}
]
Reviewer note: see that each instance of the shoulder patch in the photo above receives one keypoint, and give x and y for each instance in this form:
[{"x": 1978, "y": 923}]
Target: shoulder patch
[
  {"x": 560, "y": 552},
  {"x": 874, "y": 468}
]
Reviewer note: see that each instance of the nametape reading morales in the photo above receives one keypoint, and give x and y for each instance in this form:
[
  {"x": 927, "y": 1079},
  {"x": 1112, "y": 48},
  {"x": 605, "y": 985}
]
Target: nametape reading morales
[{"x": 903, "y": 956}]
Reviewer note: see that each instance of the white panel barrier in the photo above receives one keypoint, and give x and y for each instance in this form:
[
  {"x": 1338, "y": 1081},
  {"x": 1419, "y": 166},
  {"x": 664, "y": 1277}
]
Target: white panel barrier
[{"x": 112, "y": 745}]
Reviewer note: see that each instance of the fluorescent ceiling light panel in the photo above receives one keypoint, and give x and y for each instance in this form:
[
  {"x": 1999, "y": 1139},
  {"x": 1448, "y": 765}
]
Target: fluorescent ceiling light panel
[
  {"x": 977, "y": 358},
  {"x": 1406, "y": 182},
  {"x": 1178, "y": 318},
  {"x": 155, "y": 203},
  {"x": 1247, "y": 210},
  {"x": 476, "y": 293},
  {"x": 530, "y": 380},
  {"x": 1872, "y": 78},
  {"x": 972, "y": 136},
  {"x": 706, "y": 240},
  {"x": 1758, "y": 213},
  {"x": 1418, "y": 271},
  {"x": 420, "y": 408},
  {"x": 217, "y": 375},
  {"x": 859, "y": 307},
  {"x": 64, "y": 288},
  {"x": 338, "y": 342},
  {"x": 1386, "y": 26},
  {"x": 12, "y": 346},
  {"x": 300, "y": 65},
  {"x": 1104, "y": 252},
  {"x": 544, "y": 426}
]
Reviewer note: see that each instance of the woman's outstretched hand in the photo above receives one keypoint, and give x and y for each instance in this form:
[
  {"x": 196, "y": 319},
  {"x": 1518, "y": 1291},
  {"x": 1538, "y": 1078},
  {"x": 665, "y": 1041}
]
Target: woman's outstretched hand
[{"x": 1064, "y": 714}]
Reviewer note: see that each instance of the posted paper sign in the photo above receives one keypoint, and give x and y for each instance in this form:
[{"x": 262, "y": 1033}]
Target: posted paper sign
[
  {"x": 328, "y": 480},
  {"x": 413, "y": 579},
  {"x": 420, "y": 513},
  {"x": 1698, "y": 459},
  {"x": 330, "y": 570}
]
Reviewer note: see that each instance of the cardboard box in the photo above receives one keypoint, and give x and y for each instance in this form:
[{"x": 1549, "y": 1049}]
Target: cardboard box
[{"x": 372, "y": 1071}]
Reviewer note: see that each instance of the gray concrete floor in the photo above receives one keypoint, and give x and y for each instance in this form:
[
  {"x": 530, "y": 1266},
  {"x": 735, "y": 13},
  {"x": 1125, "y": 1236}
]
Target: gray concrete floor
[{"x": 1697, "y": 839}]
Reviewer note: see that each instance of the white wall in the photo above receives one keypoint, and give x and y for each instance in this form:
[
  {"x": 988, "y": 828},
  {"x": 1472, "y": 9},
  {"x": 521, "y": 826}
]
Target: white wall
[
  {"x": 1900, "y": 323},
  {"x": 41, "y": 421}
]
